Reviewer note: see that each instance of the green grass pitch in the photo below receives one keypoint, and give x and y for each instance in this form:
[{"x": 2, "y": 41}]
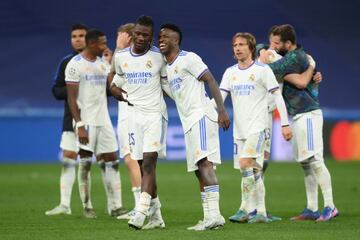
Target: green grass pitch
[{"x": 27, "y": 191}]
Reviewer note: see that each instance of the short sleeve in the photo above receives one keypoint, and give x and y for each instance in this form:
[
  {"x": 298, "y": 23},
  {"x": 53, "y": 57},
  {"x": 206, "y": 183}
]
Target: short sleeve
[
  {"x": 269, "y": 79},
  {"x": 119, "y": 81},
  {"x": 225, "y": 81},
  {"x": 72, "y": 73},
  {"x": 163, "y": 73},
  {"x": 117, "y": 65},
  {"x": 196, "y": 66}
]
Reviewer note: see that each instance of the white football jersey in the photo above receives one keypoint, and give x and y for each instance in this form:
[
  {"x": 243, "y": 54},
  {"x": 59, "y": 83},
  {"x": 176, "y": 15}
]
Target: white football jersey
[
  {"x": 271, "y": 99},
  {"x": 141, "y": 74},
  {"x": 91, "y": 77},
  {"x": 249, "y": 88},
  {"x": 188, "y": 91}
]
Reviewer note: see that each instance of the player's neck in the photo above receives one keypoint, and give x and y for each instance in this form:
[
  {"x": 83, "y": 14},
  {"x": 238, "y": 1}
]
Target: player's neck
[
  {"x": 245, "y": 63},
  {"x": 170, "y": 58},
  {"x": 88, "y": 55}
]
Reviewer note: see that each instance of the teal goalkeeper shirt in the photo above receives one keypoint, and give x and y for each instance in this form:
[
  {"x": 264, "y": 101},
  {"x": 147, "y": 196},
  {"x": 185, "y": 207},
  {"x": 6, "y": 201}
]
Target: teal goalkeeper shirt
[{"x": 296, "y": 100}]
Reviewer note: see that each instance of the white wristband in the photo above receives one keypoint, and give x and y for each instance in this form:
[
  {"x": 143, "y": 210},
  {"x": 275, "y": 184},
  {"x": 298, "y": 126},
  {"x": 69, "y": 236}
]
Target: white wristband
[{"x": 79, "y": 124}]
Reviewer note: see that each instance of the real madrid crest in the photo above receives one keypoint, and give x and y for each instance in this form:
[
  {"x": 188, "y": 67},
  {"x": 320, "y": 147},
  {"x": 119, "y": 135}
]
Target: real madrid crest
[
  {"x": 252, "y": 77},
  {"x": 125, "y": 65},
  {"x": 176, "y": 70},
  {"x": 103, "y": 67},
  {"x": 149, "y": 64}
]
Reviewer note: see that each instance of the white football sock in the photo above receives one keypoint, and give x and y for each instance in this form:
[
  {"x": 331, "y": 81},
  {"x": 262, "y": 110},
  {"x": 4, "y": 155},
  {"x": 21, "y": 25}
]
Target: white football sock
[
  {"x": 324, "y": 180},
  {"x": 213, "y": 198},
  {"x": 155, "y": 208},
  {"x": 311, "y": 186},
  {"x": 136, "y": 192},
  {"x": 109, "y": 199},
  {"x": 205, "y": 205},
  {"x": 112, "y": 177},
  {"x": 67, "y": 179},
  {"x": 144, "y": 203},
  {"x": 84, "y": 179},
  {"x": 247, "y": 190},
  {"x": 260, "y": 194}
]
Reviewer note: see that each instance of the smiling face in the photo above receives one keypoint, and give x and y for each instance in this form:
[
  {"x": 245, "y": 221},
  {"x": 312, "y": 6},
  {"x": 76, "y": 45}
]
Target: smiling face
[
  {"x": 168, "y": 41},
  {"x": 241, "y": 49},
  {"x": 142, "y": 38}
]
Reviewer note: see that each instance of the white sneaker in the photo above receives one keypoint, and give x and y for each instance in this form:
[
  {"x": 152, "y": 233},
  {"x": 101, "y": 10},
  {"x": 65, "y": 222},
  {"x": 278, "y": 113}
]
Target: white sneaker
[
  {"x": 137, "y": 221},
  {"x": 198, "y": 227},
  {"x": 127, "y": 216},
  {"x": 215, "y": 223},
  {"x": 154, "y": 223},
  {"x": 61, "y": 209}
]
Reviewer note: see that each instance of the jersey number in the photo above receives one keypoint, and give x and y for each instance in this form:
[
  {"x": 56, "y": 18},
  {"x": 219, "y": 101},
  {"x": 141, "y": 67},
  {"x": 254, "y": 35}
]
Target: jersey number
[{"x": 131, "y": 139}]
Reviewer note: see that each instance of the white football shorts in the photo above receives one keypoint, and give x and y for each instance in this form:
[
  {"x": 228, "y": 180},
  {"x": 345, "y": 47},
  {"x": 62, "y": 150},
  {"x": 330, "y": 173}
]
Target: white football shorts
[{"x": 202, "y": 141}]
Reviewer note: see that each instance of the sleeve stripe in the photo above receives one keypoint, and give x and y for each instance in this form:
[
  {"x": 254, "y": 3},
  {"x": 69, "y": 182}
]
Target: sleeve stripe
[
  {"x": 72, "y": 82},
  {"x": 202, "y": 73},
  {"x": 225, "y": 90},
  {"x": 272, "y": 89}
]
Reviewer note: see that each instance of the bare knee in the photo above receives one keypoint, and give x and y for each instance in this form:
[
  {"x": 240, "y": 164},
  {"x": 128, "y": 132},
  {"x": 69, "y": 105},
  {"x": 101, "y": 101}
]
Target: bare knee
[
  {"x": 246, "y": 163},
  {"x": 85, "y": 154},
  {"x": 69, "y": 154}
]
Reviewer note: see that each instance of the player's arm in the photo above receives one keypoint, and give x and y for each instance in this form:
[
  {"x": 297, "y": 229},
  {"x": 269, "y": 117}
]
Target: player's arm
[
  {"x": 284, "y": 66},
  {"x": 280, "y": 104},
  {"x": 165, "y": 86},
  {"x": 273, "y": 88},
  {"x": 72, "y": 92},
  {"x": 116, "y": 90},
  {"x": 223, "y": 117},
  {"x": 302, "y": 80},
  {"x": 72, "y": 78},
  {"x": 59, "y": 87}
]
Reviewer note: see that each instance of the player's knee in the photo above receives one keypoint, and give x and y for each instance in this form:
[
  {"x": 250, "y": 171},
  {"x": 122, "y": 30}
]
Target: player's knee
[
  {"x": 204, "y": 164},
  {"x": 109, "y": 157},
  {"x": 70, "y": 154},
  {"x": 85, "y": 154},
  {"x": 266, "y": 155},
  {"x": 317, "y": 165},
  {"x": 246, "y": 163}
]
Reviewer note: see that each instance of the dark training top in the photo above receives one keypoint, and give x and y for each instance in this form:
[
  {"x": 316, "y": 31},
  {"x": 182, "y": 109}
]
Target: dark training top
[{"x": 60, "y": 93}]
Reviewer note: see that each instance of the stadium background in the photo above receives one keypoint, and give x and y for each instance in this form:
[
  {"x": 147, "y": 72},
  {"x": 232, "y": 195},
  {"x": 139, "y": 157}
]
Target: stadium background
[{"x": 35, "y": 36}]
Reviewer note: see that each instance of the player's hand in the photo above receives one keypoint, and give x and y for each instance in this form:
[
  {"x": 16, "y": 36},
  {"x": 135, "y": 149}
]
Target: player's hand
[
  {"x": 223, "y": 120},
  {"x": 317, "y": 78},
  {"x": 118, "y": 93},
  {"x": 266, "y": 56},
  {"x": 286, "y": 132},
  {"x": 83, "y": 135}
]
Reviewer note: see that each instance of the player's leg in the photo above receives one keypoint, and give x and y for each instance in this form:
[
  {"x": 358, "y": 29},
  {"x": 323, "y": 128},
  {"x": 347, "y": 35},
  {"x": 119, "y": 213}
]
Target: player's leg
[
  {"x": 241, "y": 215},
  {"x": 203, "y": 153},
  {"x": 68, "y": 173},
  {"x": 84, "y": 177},
  {"x": 251, "y": 159},
  {"x": 84, "y": 180},
  {"x": 131, "y": 165},
  {"x": 302, "y": 151},
  {"x": 107, "y": 147},
  {"x": 317, "y": 164},
  {"x": 109, "y": 201},
  {"x": 142, "y": 147},
  {"x": 155, "y": 133}
]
